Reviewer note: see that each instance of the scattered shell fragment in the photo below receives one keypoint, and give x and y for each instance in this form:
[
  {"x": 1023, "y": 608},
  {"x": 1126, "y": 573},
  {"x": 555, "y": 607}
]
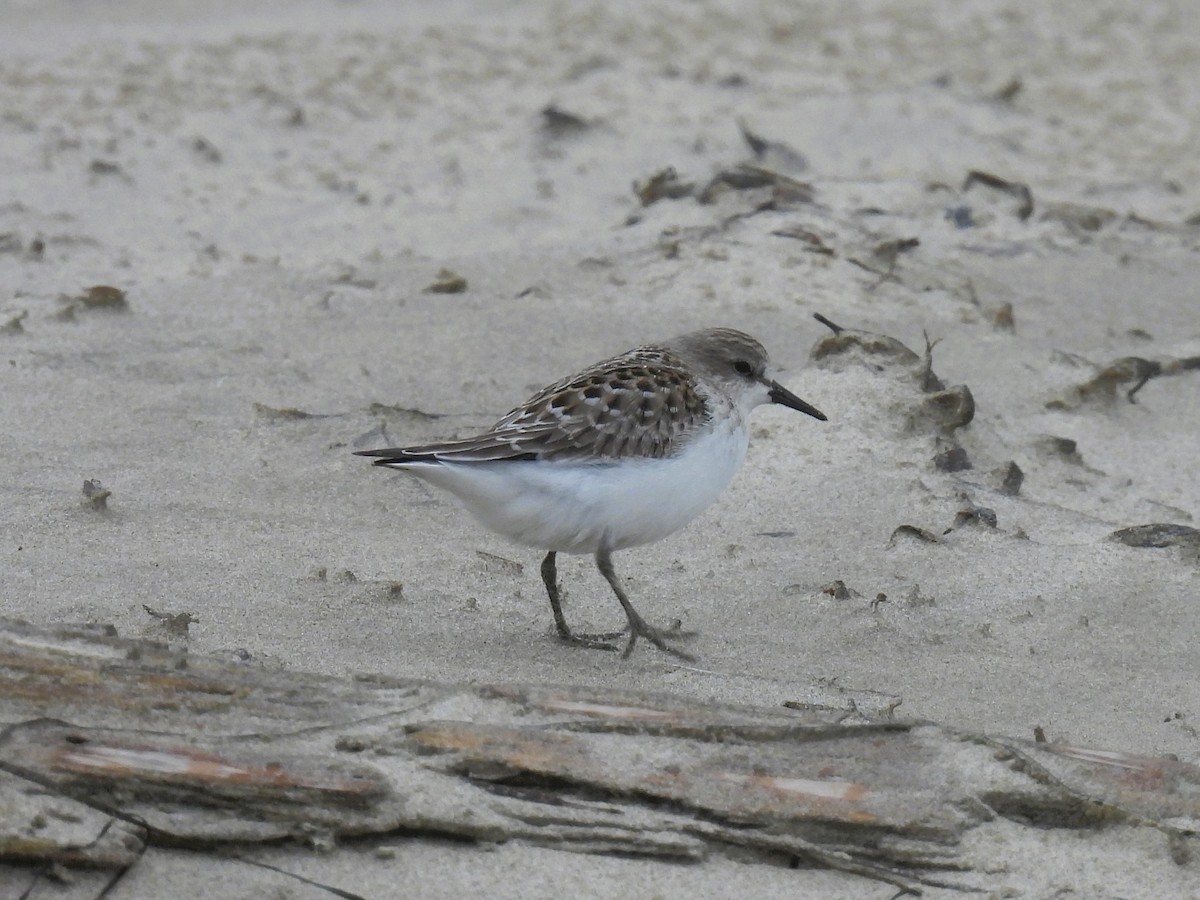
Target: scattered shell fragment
[
  {"x": 103, "y": 296},
  {"x": 912, "y": 531},
  {"x": 100, "y": 296},
  {"x": 664, "y": 184},
  {"x": 1009, "y": 91},
  {"x": 1060, "y": 447},
  {"x": 95, "y": 494},
  {"x": 1002, "y": 318},
  {"x": 837, "y": 590},
  {"x": 946, "y": 410},
  {"x": 447, "y": 282},
  {"x": 1157, "y": 535},
  {"x": 1010, "y": 478},
  {"x": 877, "y": 351},
  {"x": 108, "y": 167},
  {"x": 887, "y": 252},
  {"x": 205, "y": 150},
  {"x": 13, "y": 324},
  {"x": 952, "y": 459},
  {"x": 174, "y": 624},
  {"x": 1013, "y": 188},
  {"x": 558, "y": 122},
  {"x": 971, "y": 514},
  {"x": 785, "y": 191}
]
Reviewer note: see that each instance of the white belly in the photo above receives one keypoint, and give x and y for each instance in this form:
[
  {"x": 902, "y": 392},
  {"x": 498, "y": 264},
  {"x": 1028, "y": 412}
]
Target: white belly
[{"x": 579, "y": 508}]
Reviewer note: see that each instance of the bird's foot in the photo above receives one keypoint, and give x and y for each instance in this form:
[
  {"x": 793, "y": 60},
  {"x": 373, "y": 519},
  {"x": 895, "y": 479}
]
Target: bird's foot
[
  {"x": 638, "y": 627},
  {"x": 659, "y": 637},
  {"x": 600, "y": 641}
]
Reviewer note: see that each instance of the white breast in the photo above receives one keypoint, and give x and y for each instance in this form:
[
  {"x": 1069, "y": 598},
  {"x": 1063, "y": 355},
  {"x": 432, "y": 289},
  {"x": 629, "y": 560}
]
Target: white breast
[{"x": 577, "y": 507}]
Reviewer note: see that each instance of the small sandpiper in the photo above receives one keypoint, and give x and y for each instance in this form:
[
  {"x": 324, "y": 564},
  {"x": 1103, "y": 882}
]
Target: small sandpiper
[{"x": 624, "y": 453}]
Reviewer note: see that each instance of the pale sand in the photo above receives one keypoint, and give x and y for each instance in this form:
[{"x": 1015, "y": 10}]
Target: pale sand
[{"x": 274, "y": 192}]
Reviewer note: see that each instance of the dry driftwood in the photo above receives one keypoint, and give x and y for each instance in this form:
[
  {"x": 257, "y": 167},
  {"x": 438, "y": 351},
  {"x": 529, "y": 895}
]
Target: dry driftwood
[{"x": 111, "y": 744}]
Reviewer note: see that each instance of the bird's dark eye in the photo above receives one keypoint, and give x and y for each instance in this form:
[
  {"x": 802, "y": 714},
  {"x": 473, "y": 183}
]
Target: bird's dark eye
[{"x": 743, "y": 368}]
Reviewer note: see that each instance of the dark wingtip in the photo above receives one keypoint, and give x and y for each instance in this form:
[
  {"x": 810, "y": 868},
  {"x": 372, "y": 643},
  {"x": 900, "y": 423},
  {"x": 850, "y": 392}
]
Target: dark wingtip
[{"x": 382, "y": 457}]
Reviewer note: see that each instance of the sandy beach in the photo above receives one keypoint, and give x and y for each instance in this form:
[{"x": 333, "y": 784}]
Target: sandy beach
[{"x": 359, "y": 224}]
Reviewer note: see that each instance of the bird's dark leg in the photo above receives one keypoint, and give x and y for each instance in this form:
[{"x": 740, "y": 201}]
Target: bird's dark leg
[
  {"x": 637, "y": 625},
  {"x": 550, "y": 579},
  {"x": 593, "y": 641}
]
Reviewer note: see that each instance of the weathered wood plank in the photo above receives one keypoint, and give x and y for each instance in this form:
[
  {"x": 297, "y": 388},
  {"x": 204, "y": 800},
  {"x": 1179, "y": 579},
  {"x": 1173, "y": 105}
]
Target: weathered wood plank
[{"x": 110, "y": 743}]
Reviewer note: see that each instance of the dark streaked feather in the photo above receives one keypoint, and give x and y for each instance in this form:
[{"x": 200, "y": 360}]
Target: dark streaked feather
[{"x": 643, "y": 403}]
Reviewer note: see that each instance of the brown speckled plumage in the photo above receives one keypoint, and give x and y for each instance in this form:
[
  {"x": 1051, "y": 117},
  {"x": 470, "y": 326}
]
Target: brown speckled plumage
[{"x": 643, "y": 403}]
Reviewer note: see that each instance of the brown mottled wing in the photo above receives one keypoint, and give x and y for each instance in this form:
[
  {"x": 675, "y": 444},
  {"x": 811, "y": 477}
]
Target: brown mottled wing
[{"x": 640, "y": 404}]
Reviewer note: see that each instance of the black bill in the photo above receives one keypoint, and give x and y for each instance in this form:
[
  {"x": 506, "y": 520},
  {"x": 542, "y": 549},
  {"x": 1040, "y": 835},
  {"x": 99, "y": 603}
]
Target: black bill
[{"x": 780, "y": 394}]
